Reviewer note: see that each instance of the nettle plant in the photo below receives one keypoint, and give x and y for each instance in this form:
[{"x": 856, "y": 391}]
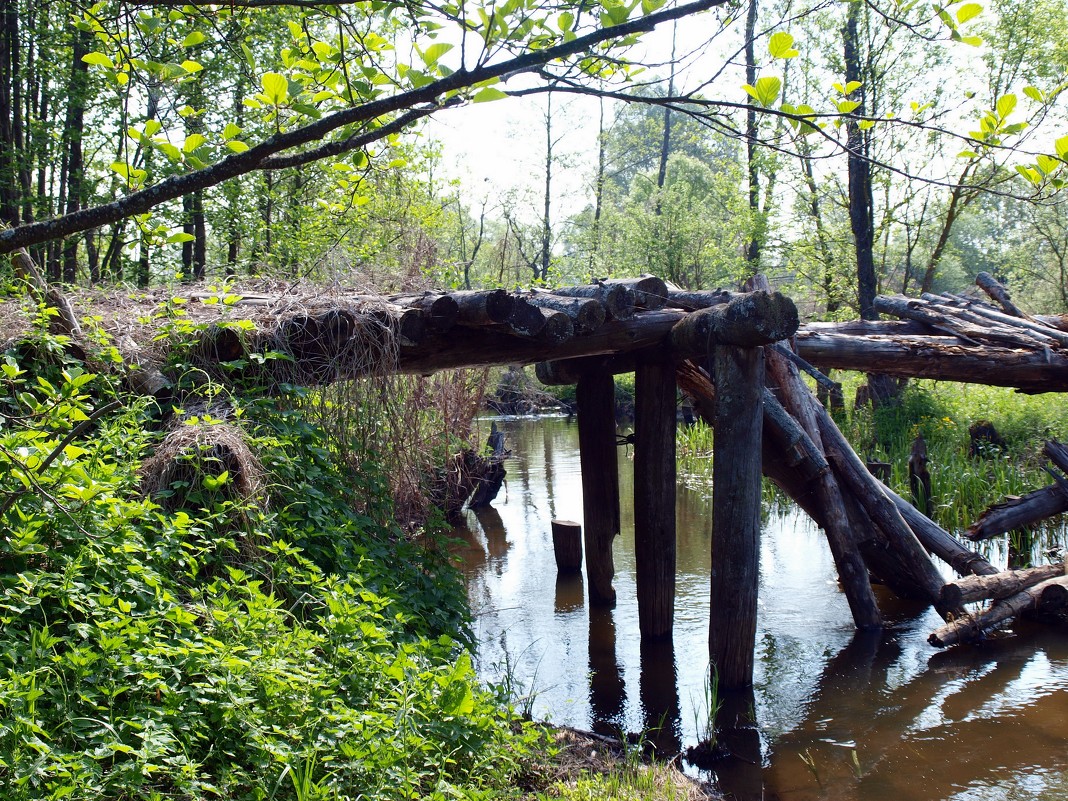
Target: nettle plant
[{"x": 147, "y": 652}]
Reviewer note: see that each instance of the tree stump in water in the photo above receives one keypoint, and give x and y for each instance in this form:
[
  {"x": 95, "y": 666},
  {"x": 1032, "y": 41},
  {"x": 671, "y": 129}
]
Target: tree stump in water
[{"x": 567, "y": 545}]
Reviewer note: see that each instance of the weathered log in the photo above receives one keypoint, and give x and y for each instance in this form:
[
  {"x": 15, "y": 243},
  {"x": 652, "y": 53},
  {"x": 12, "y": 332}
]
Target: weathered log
[
  {"x": 567, "y": 545},
  {"x": 483, "y": 307},
  {"x": 440, "y": 311},
  {"x": 940, "y": 542},
  {"x": 798, "y": 448},
  {"x": 467, "y": 347},
  {"x": 1019, "y": 512},
  {"x": 747, "y": 320},
  {"x": 996, "y": 290},
  {"x": 871, "y": 494},
  {"x": 558, "y": 327},
  {"x": 920, "y": 476},
  {"x": 618, "y": 300},
  {"x": 527, "y": 320},
  {"x": 695, "y": 301},
  {"x": 939, "y": 358},
  {"x": 736, "y": 468},
  {"x": 586, "y": 314},
  {"x": 944, "y": 319},
  {"x": 65, "y": 320},
  {"x": 852, "y": 572},
  {"x": 654, "y": 494},
  {"x": 981, "y": 312},
  {"x": 1057, "y": 453},
  {"x": 650, "y": 292},
  {"x": 972, "y": 589},
  {"x": 596, "y": 400},
  {"x": 970, "y": 628}
]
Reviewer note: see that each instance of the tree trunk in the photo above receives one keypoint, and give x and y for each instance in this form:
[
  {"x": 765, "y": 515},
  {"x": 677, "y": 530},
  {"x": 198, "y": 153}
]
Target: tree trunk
[
  {"x": 861, "y": 204},
  {"x": 752, "y": 121}
]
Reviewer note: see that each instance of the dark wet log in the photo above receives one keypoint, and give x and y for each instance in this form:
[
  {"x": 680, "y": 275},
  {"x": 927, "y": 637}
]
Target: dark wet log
[
  {"x": 650, "y": 292},
  {"x": 871, "y": 494},
  {"x": 747, "y": 320},
  {"x": 736, "y": 469},
  {"x": 974, "y": 627},
  {"x": 526, "y": 319},
  {"x": 558, "y": 327},
  {"x": 920, "y": 476},
  {"x": 483, "y": 308},
  {"x": 586, "y": 314},
  {"x": 940, "y": 358},
  {"x": 695, "y": 301},
  {"x": 441, "y": 311},
  {"x": 1019, "y": 512},
  {"x": 618, "y": 300},
  {"x": 654, "y": 493},
  {"x": 973, "y": 589},
  {"x": 565, "y": 372},
  {"x": 1056, "y": 453},
  {"x": 940, "y": 542},
  {"x": 567, "y": 545},
  {"x": 466, "y": 347},
  {"x": 996, "y": 290},
  {"x": 852, "y": 572},
  {"x": 596, "y": 398}
]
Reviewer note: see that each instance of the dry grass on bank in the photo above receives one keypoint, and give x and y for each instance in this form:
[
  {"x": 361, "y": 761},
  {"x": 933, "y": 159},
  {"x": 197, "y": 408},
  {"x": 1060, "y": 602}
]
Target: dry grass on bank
[{"x": 590, "y": 768}]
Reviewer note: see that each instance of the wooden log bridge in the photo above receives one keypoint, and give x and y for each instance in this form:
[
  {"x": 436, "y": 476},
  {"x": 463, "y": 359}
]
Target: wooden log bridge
[{"x": 723, "y": 349}]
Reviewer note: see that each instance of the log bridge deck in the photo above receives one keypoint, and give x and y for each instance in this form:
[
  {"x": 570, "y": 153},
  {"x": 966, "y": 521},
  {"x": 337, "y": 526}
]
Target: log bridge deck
[{"x": 722, "y": 349}]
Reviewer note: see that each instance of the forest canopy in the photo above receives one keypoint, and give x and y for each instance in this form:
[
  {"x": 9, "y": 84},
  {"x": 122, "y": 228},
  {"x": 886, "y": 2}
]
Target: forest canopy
[{"x": 844, "y": 147}]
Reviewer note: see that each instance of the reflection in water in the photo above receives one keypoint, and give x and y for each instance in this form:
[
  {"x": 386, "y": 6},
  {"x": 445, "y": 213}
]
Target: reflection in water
[{"x": 834, "y": 714}]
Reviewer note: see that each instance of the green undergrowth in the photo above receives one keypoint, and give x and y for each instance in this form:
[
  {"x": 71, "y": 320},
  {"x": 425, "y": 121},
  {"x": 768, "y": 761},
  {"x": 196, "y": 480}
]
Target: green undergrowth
[
  {"x": 203, "y": 645},
  {"x": 963, "y": 484}
]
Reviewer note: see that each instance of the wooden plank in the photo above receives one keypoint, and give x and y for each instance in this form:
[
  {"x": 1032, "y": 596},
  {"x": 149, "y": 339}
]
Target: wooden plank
[
  {"x": 654, "y": 494},
  {"x": 596, "y": 399},
  {"x": 736, "y": 470}
]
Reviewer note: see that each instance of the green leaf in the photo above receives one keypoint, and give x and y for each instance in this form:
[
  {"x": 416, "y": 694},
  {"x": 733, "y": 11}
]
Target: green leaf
[
  {"x": 179, "y": 237},
  {"x": 275, "y": 87},
  {"x": 865, "y": 124},
  {"x": 566, "y": 20},
  {"x": 488, "y": 95},
  {"x": 766, "y": 91},
  {"x": 191, "y": 66},
  {"x": 194, "y": 38},
  {"x": 1048, "y": 164},
  {"x": 847, "y": 106},
  {"x": 434, "y": 52},
  {"x": 649, "y": 6},
  {"x": 1062, "y": 147},
  {"x": 1005, "y": 105},
  {"x": 99, "y": 59},
  {"x": 237, "y": 146},
  {"x": 968, "y": 11},
  {"x": 1030, "y": 173},
  {"x": 974, "y": 41},
  {"x": 1034, "y": 94},
  {"x": 967, "y": 154},
  {"x": 781, "y": 45},
  {"x": 230, "y": 131},
  {"x": 192, "y": 142}
]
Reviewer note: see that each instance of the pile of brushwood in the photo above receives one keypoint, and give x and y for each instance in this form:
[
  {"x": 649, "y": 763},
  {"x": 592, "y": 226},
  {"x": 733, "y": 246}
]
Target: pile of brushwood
[{"x": 206, "y": 603}]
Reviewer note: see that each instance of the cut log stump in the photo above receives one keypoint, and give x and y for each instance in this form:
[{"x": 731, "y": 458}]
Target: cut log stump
[{"x": 567, "y": 545}]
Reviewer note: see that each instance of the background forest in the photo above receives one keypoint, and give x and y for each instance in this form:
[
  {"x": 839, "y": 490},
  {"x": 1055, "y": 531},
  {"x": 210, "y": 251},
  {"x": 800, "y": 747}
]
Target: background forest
[{"x": 844, "y": 148}]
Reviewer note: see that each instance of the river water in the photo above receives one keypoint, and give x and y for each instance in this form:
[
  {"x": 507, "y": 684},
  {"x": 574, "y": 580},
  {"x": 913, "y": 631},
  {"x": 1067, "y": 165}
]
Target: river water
[{"x": 833, "y": 714}]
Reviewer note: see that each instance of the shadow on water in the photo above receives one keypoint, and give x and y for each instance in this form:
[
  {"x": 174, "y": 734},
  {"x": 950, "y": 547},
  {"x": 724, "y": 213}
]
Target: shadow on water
[{"x": 834, "y": 714}]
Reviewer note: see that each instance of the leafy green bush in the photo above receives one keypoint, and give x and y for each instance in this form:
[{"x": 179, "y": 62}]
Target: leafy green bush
[{"x": 149, "y": 653}]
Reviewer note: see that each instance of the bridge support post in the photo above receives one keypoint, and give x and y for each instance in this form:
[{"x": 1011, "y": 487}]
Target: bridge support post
[
  {"x": 736, "y": 471},
  {"x": 654, "y": 493},
  {"x": 596, "y": 396}
]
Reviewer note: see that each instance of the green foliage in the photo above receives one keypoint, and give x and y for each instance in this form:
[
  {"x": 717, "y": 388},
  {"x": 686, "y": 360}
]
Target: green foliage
[{"x": 147, "y": 653}]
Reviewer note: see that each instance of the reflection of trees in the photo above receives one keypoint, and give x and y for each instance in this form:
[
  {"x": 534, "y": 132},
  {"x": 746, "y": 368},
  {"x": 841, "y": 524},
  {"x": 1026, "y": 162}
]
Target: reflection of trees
[
  {"x": 608, "y": 692},
  {"x": 873, "y": 732},
  {"x": 659, "y": 692}
]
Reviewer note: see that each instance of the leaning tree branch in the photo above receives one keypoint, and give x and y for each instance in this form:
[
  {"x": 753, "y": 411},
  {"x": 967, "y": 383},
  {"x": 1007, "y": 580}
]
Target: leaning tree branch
[{"x": 255, "y": 157}]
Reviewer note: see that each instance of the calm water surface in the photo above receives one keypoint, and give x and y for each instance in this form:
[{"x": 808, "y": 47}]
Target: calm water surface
[{"x": 837, "y": 715}]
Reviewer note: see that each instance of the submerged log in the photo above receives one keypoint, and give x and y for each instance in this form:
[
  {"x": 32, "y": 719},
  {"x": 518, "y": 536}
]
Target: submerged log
[
  {"x": 971, "y": 628},
  {"x": 747, "y": 320},
  {"x": 973, "y": 589}
]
